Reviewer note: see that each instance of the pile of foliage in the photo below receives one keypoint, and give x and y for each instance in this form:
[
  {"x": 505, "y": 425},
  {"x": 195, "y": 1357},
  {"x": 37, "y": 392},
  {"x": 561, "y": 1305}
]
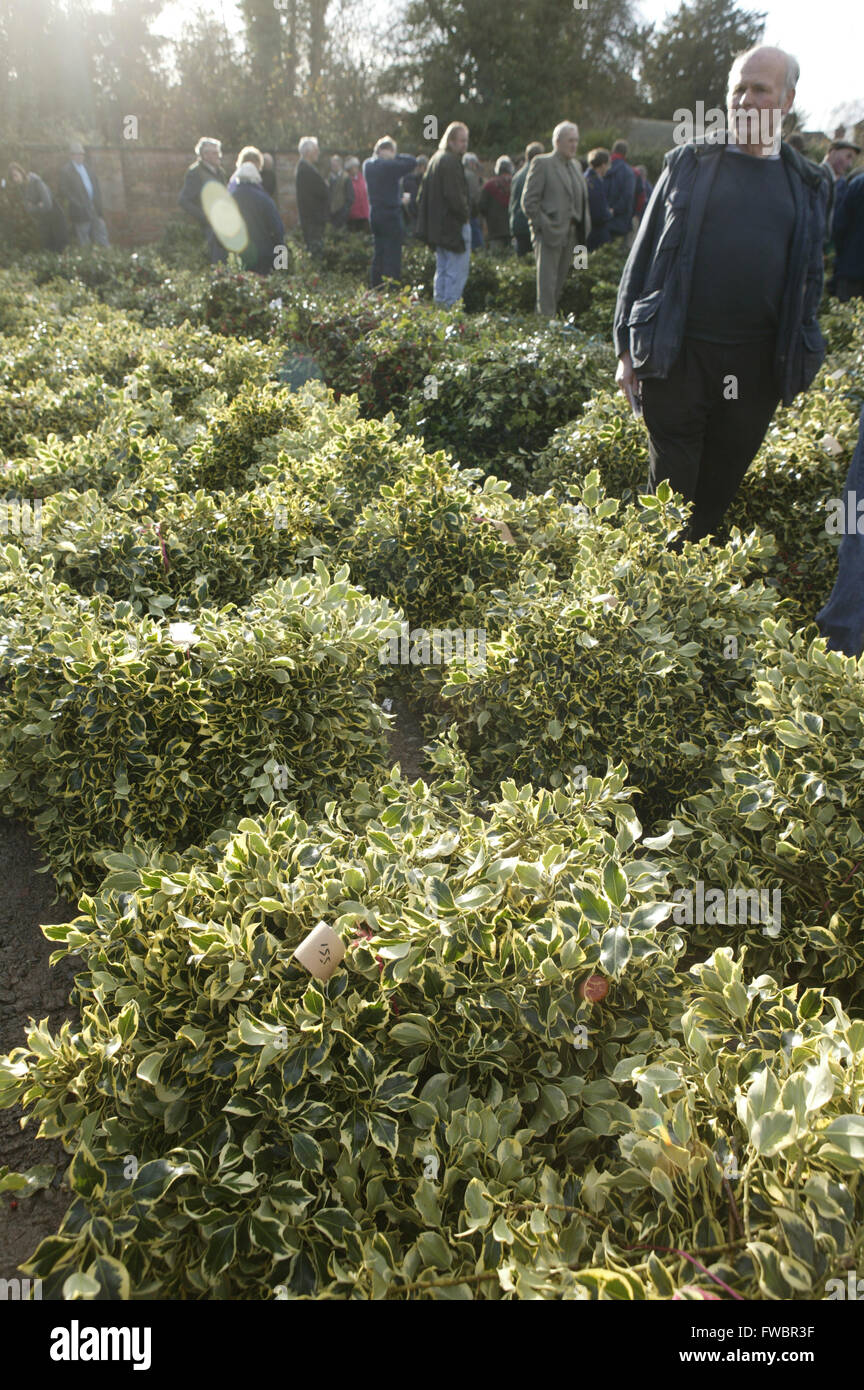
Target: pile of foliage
[
  {"x": 642, "y": 653},
  {"x": 447, "y": 1115},
  {"x": 114, "y": 726},
  {"x": 786, "y": 814},
  {"x": 498, "y": 404},
  {"x": 530, "y": 1076}
]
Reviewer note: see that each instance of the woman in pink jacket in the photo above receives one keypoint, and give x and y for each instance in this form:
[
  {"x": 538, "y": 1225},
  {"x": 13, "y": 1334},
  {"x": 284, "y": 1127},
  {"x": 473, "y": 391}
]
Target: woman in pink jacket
[{"x": 358, "y": 217}]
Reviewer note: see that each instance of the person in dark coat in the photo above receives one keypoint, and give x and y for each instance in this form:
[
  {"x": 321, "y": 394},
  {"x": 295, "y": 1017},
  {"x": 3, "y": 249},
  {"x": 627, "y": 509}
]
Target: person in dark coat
[
  {"x": 341, "y": 193},
  {"x": 410, "y": 193},
  {"x": 383, "y": 174},
  {"x": 849, "y": 240},
  {"x": 835, "y": 167},
  {"x": 42, "y": 206},
  {"x": 313, "y": 197},
  {"x": 495, "y": 206},
  {"x": 474, "y": 179},
  {"x": 261, "y": 216},
  {"x": 520, "y": 228},
  {"x": 268, "y": 175},
  {"x": 80, "y": 188},
  {"x": 206, "y": 169},
  {"x": 644, "y": 189},
  {"x": 598, "y": 204},
  {"x": 620, "y": 191},
  {"x": 443, "y": 215},
  {"x": 716, "y": 320},
  {"x": 841, "y": 621}
]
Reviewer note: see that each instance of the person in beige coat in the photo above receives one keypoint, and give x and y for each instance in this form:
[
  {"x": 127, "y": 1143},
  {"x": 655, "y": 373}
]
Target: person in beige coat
[{"x": 555, "y": 201}]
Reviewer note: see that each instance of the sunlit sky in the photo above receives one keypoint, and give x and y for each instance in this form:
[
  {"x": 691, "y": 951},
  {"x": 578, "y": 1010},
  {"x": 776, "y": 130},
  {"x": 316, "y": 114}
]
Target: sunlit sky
[{"x": 826, "y": 38}]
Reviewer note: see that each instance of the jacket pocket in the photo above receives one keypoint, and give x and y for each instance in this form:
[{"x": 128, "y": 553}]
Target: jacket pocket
[
  {"x": 674, "y": 219},
  {"x": 642, "y": 323}
]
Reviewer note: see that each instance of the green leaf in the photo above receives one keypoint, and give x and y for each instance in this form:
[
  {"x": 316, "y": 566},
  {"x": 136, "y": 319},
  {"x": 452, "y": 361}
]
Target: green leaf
[
  {"x": 846, "y": 1133},
  {"x": 595, "y": 908},
  {"x": 614, "y": 884},
  {"x": 80, "y": 1285},
  {"x": 773, "y": 1131},
  {"x": 307, "y": 1152},
  {"x": 155, "y": 1177},
  {"x": 113, "y": 1279},
  {"x": 148, "y": 1069},
  {"x": 334, "y": 1222},
  {"x": 478, "y": 1208},
  {"x": 615, "y": 950},
  {"x": 221, "y": 1251},
  {"x": 426, "y": 1202},
  {"x": 85, "y": 1175},
  {"x": 434, "y": 1251}
]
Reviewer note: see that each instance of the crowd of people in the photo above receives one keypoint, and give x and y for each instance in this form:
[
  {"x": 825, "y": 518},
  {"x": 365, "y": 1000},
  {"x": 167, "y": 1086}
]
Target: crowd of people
[
  {"x": 398, "y": 197},
  {"x": 74, "y": 213},
  {"x": 716, "y": 321},
  {"x": 519, "y": 210}
]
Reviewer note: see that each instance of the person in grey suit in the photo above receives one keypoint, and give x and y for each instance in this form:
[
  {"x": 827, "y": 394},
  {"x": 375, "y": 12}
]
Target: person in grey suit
[{"x": 555, "y": 201}]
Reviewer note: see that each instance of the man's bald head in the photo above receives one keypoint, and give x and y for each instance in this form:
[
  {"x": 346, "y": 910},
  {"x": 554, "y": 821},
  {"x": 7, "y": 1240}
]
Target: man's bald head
[
  {"x": 762, "y": 85},
  {"x": 769, "y": 62}
]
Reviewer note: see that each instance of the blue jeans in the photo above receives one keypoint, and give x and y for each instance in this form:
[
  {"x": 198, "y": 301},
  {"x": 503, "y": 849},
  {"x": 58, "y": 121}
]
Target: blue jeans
[
  {"x": 451, "y": 271},
  {"x": 841, "y": 621},
  {"x": 387, "y": 257}
]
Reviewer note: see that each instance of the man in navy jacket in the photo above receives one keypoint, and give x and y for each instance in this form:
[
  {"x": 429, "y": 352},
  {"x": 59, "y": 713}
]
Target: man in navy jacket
[
  {"x": 264, "y": 228},
  {"x": 716, "y": 316},
  {"x": 620, "y": 190},
  {"x": 849, "y": 240},
  {"x": 384, "y": 173},
  {"x": 598, "y": 204}
]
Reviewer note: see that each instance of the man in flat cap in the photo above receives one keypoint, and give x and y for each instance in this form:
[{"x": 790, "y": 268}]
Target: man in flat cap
[{"x": 838, "y": 161}]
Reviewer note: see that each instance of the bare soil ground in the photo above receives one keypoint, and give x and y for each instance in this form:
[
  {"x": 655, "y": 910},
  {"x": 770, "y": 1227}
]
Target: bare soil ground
[{"x": 30, "y": 989}]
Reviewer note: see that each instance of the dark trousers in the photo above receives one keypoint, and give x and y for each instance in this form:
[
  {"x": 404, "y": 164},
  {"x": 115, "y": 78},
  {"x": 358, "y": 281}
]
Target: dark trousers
[
  {"x": 387, "y": 255},
  {"x": 523, "y": 243},
  {"x": 846, "y": 289},
  {"x": 701, "y": 438},
  {"x": 313, "y": 236}
]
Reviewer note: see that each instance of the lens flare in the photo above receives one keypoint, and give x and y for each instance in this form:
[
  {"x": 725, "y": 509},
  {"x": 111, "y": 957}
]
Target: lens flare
[{"x": 224, "y": 216}]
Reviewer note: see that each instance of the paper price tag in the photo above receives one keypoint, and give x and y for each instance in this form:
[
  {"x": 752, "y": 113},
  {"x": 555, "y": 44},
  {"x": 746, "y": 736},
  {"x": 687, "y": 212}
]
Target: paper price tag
[{"x": 321, "y": 951}]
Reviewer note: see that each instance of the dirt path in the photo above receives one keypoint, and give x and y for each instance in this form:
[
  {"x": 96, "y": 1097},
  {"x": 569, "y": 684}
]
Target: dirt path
[{"x": 29, "y": 988}]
